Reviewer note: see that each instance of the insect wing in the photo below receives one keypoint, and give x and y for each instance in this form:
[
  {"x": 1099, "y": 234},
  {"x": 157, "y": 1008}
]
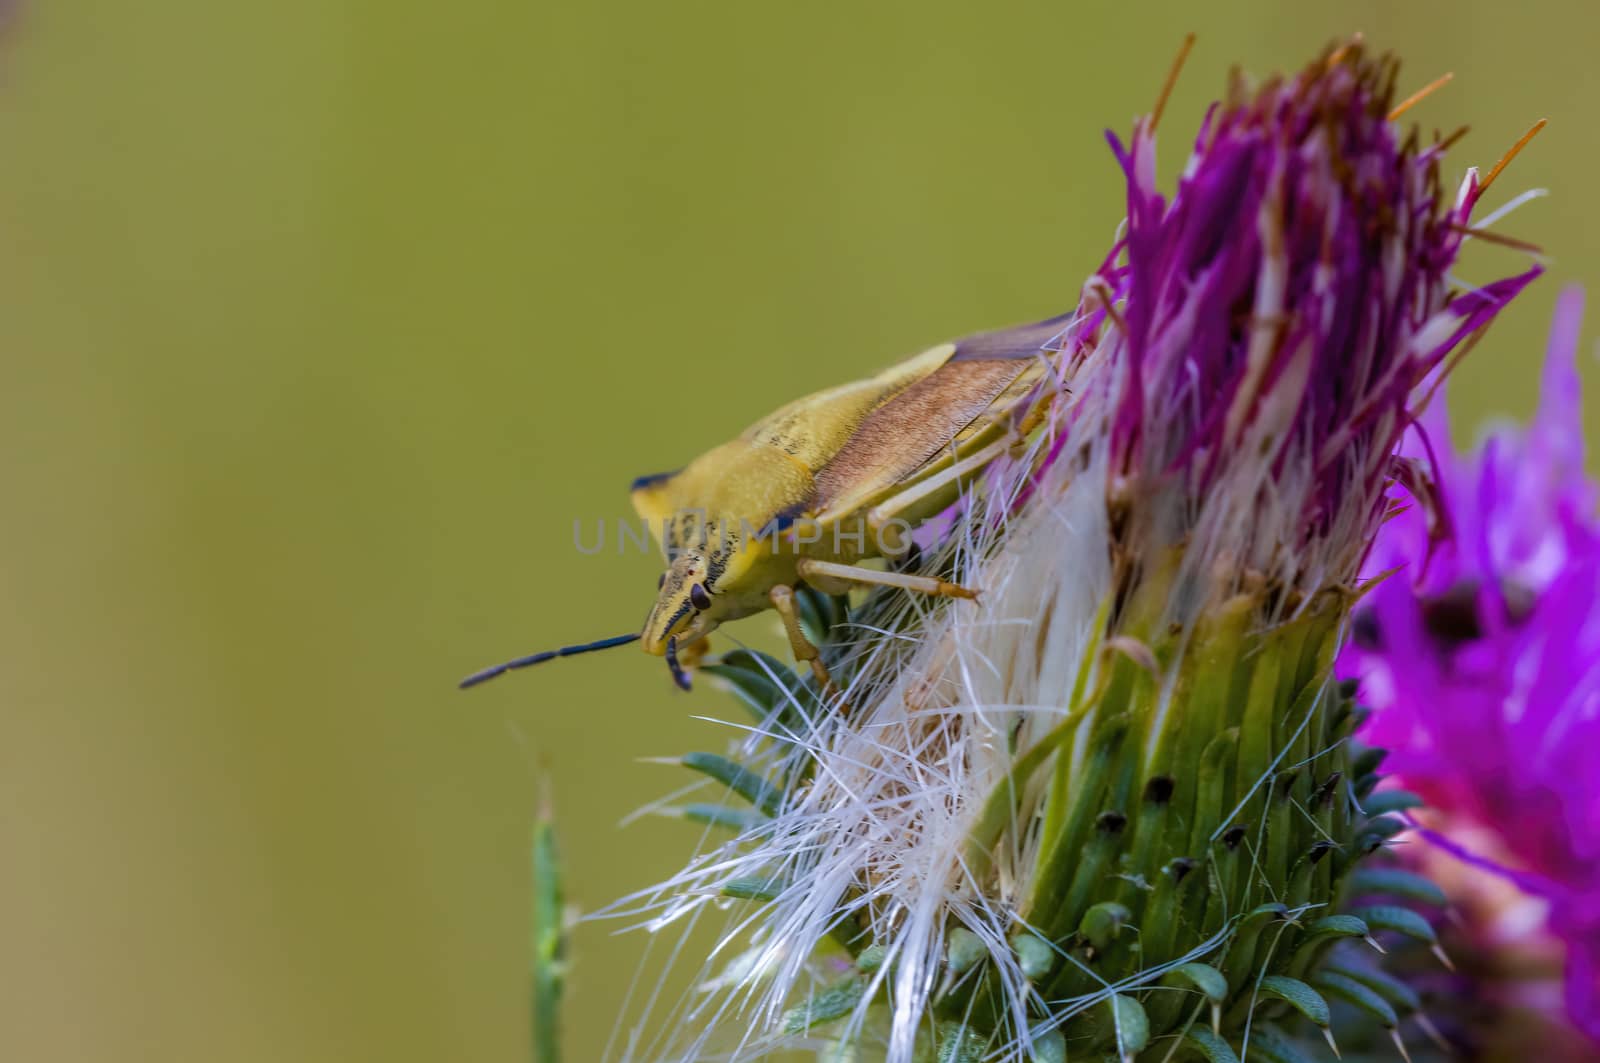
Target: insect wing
[
  {"x": 911, "y": 429},
  {"x": 1018, "y": 342}
]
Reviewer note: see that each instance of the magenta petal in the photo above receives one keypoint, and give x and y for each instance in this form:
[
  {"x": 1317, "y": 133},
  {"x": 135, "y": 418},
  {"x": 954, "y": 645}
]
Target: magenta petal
[{"x": 1496, "y": 721}]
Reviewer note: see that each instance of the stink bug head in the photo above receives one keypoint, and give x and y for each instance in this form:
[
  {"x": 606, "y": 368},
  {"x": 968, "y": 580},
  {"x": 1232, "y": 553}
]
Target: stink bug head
[
  {"x": 713, "y": 581},
  {"x": 677, "y": 614}
]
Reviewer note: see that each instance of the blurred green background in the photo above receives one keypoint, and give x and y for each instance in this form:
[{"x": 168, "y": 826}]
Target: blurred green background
[{"x": 322, "y": 321}]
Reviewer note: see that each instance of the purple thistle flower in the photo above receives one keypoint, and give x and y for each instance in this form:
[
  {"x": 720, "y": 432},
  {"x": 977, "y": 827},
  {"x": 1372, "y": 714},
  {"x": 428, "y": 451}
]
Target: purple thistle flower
[
  {"x": 1481, "y": 657},
  {"x": 1283, "y": 308},
  {"x": 1134, "y": 724}
]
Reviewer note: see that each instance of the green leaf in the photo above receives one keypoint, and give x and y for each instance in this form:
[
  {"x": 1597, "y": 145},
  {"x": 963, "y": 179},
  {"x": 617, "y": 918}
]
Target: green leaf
[
  {"x": 748, "y": 682},
  {"x": 1210, "y": 1045},
  {"x": 1048, "y": 1047},
  {"x": 1399, "y": 920},
  {"x": 1271, "y": 912},
  {"x": 1203, "y": 977},
  {"x": 1131, "y": 1025},
  {"x": 835, "y": 1002},
  {"x": 1271, "y": 1045},
  {"x": 1240, "y": 962},
  {"x": 959, "y": 1043},
  {"x": 1339, "y": 926},
  {"x": 1303, "y": 998},
  {"x": 1381, "y": 829},
  {"x": 1386, "y": 801},
  {"x": 737, "y": 820},
  {"x": 754, "y": 889},
  {"x": 1400, "y": 995},
  {"x": 1354, "y": 993},
  {"x": 1321, "y": 936},
  {"x": 742, "y": 781},
  {"x": 749, "y": 676},
  {"x": 964, "y": 950},
  {"x": 1367, "y": 760},
  {"x": 1395, "y": 882},
  {"x": 819, "y": 613},
  {"x": 1102, "y": 923},
  {"x": 1035, "y": 956}
]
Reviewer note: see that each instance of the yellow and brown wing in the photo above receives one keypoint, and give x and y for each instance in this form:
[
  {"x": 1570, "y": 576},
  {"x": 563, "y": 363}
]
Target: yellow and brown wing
[
  {"x": 770, "y": 466},
  {"x": 935, "y": 419},
  {"x": 830, "y": 451},
  {"x": 814, "y": 428}
]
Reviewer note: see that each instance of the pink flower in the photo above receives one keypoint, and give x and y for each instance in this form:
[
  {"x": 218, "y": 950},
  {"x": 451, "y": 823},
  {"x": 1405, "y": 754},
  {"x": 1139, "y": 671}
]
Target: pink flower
[{"x": 1481, "y": 658}]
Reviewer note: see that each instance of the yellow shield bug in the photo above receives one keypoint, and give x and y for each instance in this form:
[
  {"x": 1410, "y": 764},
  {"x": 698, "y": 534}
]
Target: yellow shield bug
[{"x": 830, "y": 480}]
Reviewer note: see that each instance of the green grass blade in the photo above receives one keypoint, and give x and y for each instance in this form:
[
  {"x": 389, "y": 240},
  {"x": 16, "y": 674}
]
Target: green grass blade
[{"x": 549, "y": 941}]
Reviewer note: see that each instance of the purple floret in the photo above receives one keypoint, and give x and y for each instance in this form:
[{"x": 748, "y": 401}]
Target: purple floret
[{"x": 1278, "y": 314}]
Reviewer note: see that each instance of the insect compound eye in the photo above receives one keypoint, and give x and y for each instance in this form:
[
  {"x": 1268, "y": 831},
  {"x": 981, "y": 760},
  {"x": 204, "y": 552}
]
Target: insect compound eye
[{"x": 699, "y": 598}]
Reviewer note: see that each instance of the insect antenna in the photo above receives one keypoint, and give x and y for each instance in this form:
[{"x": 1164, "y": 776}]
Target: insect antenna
[{"x": 549, "y": 655}]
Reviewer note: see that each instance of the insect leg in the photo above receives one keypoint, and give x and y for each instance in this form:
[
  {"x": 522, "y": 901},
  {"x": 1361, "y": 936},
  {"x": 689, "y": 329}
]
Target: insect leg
[
  {"x": 691, "y": 654},
  {"x": 828, "y": 574},
  {"x": 782, "y": 599}
]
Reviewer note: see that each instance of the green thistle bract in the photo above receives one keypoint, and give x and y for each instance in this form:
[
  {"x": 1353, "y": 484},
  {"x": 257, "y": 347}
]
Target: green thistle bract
[{"x": 1112, "y": 807}]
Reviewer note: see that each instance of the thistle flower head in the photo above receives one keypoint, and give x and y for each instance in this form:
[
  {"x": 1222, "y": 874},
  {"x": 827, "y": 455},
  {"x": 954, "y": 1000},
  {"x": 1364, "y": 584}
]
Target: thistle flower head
[
  {"x": 1114, "y": 793},
  {"x": 1481, "y": 658},
  {"x": 1280, "y": 312}
]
